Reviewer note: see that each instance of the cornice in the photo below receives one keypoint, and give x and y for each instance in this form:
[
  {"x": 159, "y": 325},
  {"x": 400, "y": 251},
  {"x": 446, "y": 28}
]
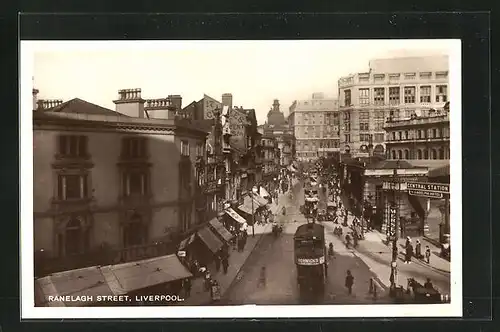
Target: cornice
[{"x": 117, "y": 127}]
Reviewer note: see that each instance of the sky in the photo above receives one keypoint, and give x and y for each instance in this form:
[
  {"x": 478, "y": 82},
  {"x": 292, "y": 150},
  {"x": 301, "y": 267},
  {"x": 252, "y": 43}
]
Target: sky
[{"x": 255, "y": 72}]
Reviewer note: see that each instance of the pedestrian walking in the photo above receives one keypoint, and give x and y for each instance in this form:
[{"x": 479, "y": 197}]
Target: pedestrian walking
[
  {"x": 427, "y": 254},
  {"x": 262, "y": 277},
  {"x": 349, "y": 281},
  {"x": 409, "y": 253},
  {"x": 418, "y": 250},
  {"x": 217, "y": 262},
  {"x": 187, "y": 287},
  {"x": 225, "y": 264}
]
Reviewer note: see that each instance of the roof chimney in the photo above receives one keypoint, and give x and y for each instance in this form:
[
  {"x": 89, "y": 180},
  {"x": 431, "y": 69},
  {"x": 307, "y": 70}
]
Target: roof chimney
[
  {"x": 35, "y": 99},
  {"x": 130, "y": 103},
  {"x": 176, "y": 102},
  {"x": 227, "y": 100},
  {"x": 159, "y": 108}
]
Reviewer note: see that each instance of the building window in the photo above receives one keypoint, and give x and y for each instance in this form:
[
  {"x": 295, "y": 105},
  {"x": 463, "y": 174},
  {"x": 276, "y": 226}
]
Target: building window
[
  {"x": 347, "y": 98},
  {"x": 379, "y": 96},
  {"x": 364, "y": 119},
  {"x": 76, "y": 238},
  {"x": 199, "y": 149},
  {"x": 347, "y": 138},
  {"x": 410, "y": 76},
  {"x": 364, "y": 96},
  {"x": 406, "y": 135},
  {"x": 378, "y": 77},
  {"x": 134, "y": 232},
  {"x": 364, "y": 78},
  {"x": 73, "y": 146},
  {"x": 441, "y": 93},
  {"x": 400, "y": 154},
  {"x": 134, "y": 147},
  {"x": 434, "y": 133},
  {"x": 426, "y": 154},
  {"x": 419, "y": 154},
  {"x": 393, "y": 135},
  {"x": 71, "y": 187},
  {"x": 379, "y": 138},
  {"x": 425, "y": 75},
  {"x": 394, "y": 77},
  {"x": 441, "y": 153},
  {"x": 394, "y": 95},
  {"x": 425, "y": 94},
  {"x": 407, "y": 154},
  {"x": 135, "y": 183},
  {"x": 441, "y": 74},
  {"x": 434, "y": 154},
  {"x": 400, "y": 135},
  {"x": 393, "y": 154},
  {"x": 185, "y": 148},
  {"x": 409, "y": 95},
  {"x": 423, "y": 136}
]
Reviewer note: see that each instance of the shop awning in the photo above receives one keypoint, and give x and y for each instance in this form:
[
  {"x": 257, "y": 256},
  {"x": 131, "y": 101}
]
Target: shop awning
[
  {"x": 210, "y": 239},
  {"x": 187, "y": 241},
  {"x": 233, "y": 214},
  {"x": 260, "y": 200},
  {"x": 246, "y": 209},
  {"x": 263, "y": 192},
  {"x": 220, "y": 229},
  {"x": 134, "y": 276},
  {"x": 89, "y": 281}
]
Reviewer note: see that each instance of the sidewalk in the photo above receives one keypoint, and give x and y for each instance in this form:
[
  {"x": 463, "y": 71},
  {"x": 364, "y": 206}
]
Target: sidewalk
[
  {"x": 378, "y": 256},
  {"x": 236, "y": 262}
]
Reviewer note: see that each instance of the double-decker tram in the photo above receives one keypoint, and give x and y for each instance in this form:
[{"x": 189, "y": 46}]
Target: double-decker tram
[{"x": 310, "y": 260}]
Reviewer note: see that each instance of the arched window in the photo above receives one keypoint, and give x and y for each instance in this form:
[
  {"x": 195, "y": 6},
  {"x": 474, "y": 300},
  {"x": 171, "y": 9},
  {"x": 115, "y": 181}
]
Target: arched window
[
  {"x": 407, "y": 154},
  {"x": 419, "y": 154},
  {"x": 400, "y": 154},
  {"x": 434, "y": 154},
  {"x": 133, "y": 231},
  {"x": 393, "y": 154},
  {"x": 426, "y": 154},
  {"x": 441, "y": 153}
]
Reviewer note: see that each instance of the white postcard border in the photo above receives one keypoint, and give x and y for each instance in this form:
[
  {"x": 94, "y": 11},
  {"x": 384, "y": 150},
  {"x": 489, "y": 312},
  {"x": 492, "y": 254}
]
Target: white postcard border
[{"x": 28, "y": 309}]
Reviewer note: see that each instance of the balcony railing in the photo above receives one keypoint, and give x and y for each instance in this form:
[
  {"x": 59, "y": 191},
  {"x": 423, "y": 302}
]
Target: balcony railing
[{"x": 418, "y": 121}]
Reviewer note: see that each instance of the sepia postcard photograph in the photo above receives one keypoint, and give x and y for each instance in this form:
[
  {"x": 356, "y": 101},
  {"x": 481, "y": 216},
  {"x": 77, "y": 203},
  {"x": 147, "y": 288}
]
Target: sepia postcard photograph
[{"x": 241, "y": 179}]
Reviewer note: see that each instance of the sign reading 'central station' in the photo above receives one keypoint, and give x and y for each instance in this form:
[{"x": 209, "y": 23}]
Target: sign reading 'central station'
[{"x": 443, "y": 188}]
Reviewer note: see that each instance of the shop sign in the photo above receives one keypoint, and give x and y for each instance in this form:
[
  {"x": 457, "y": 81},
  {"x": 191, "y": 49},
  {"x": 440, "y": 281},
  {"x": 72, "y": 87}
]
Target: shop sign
[
  {"x": 210, "y": 186},
  {"x": 443, "y": 188},
  {"x": 392, "y": 221},
  {"x": 425, "y": 193}
]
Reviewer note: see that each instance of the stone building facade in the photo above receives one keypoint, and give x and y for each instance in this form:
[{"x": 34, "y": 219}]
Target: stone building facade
[{"x": 395, "y": 88}]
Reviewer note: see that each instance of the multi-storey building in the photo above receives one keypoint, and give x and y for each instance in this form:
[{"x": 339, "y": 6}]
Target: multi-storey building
[
  {"x": 397, "y": 88},
  {"x": 111, "y": 179},
  {"x": 420, "y": 137},
  {"x": 315, "y": 125},
  {"x": 270, "y": 156}
]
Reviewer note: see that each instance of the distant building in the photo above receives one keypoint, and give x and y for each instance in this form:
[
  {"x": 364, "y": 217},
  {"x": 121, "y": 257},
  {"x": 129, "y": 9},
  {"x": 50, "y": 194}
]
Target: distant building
[
  {"x": 397, "y": 88},
  {"x": 112, "y": 179},
  {"x": 278, "y": 127},
  {"x": 315, "y": 125},
  {"x": 420, "y": 137}
]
